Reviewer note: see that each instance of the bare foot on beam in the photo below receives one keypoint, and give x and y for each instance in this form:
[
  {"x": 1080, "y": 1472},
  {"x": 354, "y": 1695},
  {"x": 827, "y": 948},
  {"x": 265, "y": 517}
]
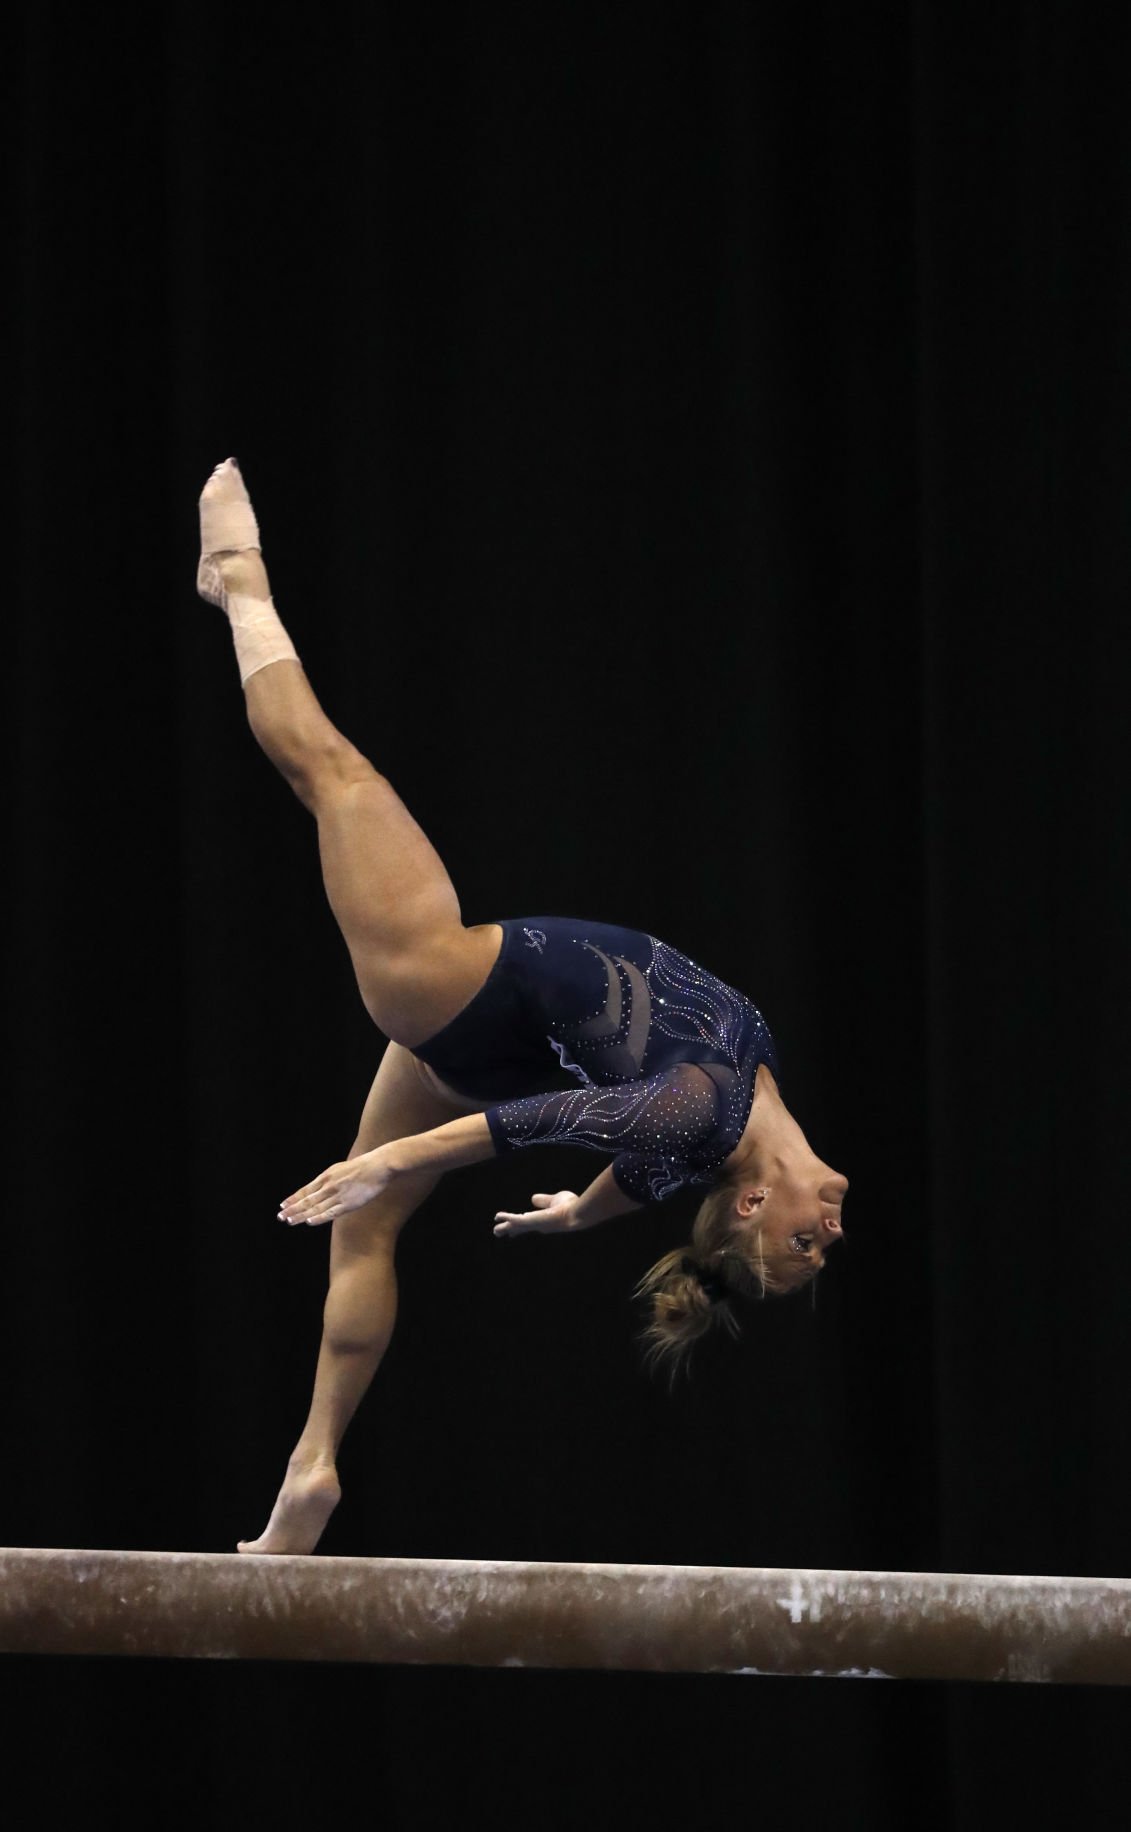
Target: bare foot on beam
[{"x": 306, "y": 1501}]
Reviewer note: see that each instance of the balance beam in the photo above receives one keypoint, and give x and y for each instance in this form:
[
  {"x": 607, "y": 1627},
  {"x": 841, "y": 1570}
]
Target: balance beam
[{"x": 643, "y": 1618}]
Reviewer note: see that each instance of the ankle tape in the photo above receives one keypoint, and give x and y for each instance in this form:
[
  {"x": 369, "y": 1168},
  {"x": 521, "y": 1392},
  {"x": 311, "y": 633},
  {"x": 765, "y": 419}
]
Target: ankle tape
[{"x": 259, "y": 636}]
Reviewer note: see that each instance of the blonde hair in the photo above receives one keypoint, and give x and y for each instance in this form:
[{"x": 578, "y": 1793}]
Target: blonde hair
[{"x": 729, "y": 1253}]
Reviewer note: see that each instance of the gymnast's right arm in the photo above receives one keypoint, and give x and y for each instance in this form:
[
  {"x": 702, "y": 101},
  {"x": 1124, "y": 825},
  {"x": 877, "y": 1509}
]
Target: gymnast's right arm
[{"x": 566, "y": 1212}]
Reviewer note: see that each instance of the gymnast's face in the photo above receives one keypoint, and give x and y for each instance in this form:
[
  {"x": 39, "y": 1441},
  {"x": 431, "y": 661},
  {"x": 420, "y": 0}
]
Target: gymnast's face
[{"x": 798, "y": 1222}]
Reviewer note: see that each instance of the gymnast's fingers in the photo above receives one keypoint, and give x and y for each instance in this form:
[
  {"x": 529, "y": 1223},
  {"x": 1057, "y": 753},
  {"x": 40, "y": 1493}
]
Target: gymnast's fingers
[
  {"x": 534, "y": 1219},
  {"x": 307, "y": 1190},
  {"x": 311, "y": 1203},
  {"x": 515, "y": 1224}
]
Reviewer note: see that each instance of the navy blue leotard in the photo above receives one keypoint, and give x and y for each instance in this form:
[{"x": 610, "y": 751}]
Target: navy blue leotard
[{"x": 665, "y": 1053}]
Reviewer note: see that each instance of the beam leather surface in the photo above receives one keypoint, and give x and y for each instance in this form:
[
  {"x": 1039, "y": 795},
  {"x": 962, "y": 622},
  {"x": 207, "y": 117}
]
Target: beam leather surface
[{"x": 647, "y": 1618}]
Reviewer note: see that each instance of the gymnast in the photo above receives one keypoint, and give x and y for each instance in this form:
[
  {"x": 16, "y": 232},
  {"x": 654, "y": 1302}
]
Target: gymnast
[{"x": 677, "y": 1077}]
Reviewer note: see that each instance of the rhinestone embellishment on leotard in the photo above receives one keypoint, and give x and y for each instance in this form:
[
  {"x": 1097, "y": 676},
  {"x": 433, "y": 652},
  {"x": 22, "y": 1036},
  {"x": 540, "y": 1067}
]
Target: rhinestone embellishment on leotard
[{"x": 677, "y": 1123}]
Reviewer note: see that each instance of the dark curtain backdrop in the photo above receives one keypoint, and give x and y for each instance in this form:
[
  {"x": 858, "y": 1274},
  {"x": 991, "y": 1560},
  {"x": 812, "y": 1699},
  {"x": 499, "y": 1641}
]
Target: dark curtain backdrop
[{"x": 691, "y": 448}]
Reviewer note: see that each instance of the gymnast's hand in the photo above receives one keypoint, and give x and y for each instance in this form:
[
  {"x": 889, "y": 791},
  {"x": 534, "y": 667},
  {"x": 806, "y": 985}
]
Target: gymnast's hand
[
  {"x": 550, "y": 1215},
  {"x": 339, "y": 1190}
]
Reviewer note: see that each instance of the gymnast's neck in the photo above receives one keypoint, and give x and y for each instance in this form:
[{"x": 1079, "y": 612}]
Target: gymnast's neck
[{"x": 772, "y": 1143}]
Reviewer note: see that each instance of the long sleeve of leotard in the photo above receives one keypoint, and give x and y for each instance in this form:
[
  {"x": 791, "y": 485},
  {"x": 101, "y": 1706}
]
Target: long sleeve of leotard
[{"x": 651, "y": 1125}]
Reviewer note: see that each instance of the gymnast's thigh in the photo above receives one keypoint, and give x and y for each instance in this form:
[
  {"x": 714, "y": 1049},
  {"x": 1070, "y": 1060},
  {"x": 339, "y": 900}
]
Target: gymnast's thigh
[{"x": 400, "y": 1103}]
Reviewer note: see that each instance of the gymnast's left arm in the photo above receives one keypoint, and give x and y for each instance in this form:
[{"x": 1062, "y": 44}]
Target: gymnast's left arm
[{"x": 356, "y": 1181}]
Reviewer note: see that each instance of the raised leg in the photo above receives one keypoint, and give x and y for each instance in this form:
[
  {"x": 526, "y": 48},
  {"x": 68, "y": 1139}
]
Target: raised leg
[
  {"x": 360, "y": 1309},
  {"x": 416, "y": 964}
]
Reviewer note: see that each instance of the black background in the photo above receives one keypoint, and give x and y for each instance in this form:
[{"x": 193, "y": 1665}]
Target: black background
[{"x": 691, "y": 449}]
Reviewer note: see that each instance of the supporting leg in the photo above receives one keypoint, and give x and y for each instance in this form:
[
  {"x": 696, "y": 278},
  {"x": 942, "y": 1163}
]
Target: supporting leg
[{"x": 360, "y": 1309}]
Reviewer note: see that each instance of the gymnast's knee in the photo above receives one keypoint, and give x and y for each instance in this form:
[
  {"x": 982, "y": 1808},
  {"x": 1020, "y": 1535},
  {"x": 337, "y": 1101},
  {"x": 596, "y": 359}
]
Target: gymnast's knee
[
  {"x": 375, "y": 1227},
  {"x": 326, "y": 769}
]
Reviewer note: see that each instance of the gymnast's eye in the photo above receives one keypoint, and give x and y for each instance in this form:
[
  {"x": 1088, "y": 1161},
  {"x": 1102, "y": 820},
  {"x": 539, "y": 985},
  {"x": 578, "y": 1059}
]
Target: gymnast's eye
[{"x": 800, "y": 1243}]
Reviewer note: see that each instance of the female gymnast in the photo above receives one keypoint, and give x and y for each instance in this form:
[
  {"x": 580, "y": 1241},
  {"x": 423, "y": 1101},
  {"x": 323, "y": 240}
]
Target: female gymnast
[{"x": 676, "y": 1071}]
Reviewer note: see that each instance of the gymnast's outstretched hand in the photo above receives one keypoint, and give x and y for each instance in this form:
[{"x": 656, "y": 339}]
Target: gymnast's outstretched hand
[
  {"x": 339, "y": 1190},
  {"x": 550, "y": 1215}
]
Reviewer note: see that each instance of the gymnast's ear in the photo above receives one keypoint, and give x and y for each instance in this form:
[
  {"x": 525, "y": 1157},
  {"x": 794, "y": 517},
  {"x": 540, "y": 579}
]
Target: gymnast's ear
[{"x": 749, "y": 1201}]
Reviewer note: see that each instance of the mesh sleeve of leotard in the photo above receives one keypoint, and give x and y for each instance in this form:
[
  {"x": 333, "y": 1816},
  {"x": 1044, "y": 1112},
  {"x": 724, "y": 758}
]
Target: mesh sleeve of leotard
[{"x": 652, "y": 1125}]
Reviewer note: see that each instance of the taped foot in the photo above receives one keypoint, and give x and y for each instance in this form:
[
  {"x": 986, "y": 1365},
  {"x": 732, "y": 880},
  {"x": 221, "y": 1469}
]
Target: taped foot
[
  {"x": 231, "y": 572},
  {"x": 227, "y": 526}
]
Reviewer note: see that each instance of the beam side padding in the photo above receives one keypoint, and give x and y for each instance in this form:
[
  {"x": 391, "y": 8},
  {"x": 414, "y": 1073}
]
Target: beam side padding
[{"x": 645, "y": 1618}]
